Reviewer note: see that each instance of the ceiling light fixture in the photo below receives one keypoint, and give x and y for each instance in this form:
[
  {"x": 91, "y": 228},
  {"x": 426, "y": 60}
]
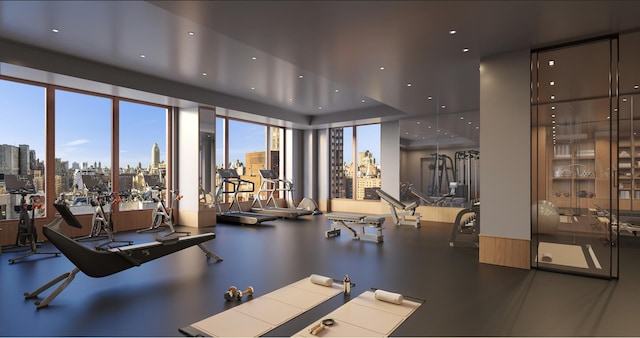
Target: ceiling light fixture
[
  {"x": 429, "y": 98},
  {"x": 253, "y": 88},
  {"x": 465, "y": 50},
  {"x": 553, "y": 97},
  {"x": 381, "y": 68},
  {"x": 552, "y": 83},
  {"x": 553, "y": 107},
  {"x": 443, "y": 106},
  {"x": 319, "y": 107},
  {"x": 636, "y": 87},
  {"x": 55, "y": 30},
  {"x": 453, "y": 31},
  {"x": 204, "y": 74},
  {"x": 337, "y": 90},
  {"x": 408, "y": 84},
  {"x": 552, "y": 63},
  {"x": 191, "y": 33},
  {"x": 462, "y": 117},
  {"x": 362, "y": 101},
  {"x": 300, "y": 76},
  {"x": 143, "y": 56},
  {"x": 254, "y": 58}
]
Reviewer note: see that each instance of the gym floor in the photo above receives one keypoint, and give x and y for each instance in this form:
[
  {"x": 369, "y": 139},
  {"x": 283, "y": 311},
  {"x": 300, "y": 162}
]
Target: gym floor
[{"x": 463, "y": 297}]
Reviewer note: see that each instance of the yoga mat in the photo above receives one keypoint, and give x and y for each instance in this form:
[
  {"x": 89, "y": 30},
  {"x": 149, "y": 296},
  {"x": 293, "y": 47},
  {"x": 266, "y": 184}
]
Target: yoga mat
[
  {"x": 563, "y": 254},
  {"x": 364, "y": 316},
  {"x": 264, "y": 313}
]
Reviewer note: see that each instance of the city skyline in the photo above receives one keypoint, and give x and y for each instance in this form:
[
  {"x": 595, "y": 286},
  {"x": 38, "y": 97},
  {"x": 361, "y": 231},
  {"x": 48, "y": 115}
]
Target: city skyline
[{"x": 83, "y": 132}]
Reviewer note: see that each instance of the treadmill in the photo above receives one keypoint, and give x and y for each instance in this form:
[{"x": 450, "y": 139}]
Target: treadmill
[
  {"x": 230, "y": 178},
  {"x": 270, "y": 184}
]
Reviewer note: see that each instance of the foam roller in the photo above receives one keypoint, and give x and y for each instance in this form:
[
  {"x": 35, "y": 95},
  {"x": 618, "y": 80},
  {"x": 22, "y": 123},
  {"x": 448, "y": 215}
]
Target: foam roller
[
  {"x": 321, "y": 280},
  {"x": 388, "y": 297}
]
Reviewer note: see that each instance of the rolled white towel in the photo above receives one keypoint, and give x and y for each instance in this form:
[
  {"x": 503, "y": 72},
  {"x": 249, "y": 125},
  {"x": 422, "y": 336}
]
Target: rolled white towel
[
  {"x": 388, "y": 297},
  {"x": 321, "y": 280}
]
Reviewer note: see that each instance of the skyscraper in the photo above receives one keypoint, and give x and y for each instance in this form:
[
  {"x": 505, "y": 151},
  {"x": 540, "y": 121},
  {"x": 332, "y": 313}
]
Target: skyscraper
[{"x": 155, "y": 156}]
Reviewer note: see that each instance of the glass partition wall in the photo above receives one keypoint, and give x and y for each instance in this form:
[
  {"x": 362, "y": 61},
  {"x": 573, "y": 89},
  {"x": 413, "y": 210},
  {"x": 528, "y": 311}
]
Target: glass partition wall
[{"x": 577, "y": 177}]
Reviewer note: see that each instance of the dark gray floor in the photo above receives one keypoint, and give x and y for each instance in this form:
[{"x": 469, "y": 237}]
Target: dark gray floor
[{"x": 463, "y": 297}]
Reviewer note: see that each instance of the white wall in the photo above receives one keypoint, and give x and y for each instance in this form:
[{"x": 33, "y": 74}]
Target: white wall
[
  {"x": 505, "y": 128},
  {"x": 188, "y": 153},
  {"x": 390, "y": 157}
]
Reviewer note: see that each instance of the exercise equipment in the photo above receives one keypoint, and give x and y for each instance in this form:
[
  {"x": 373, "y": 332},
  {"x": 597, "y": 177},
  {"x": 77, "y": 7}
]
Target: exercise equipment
[
  {"x": 374, "y": 313},
  {"x": 163, "y": 217},
  {"x": 349, "y": 221},
  {"x": 271, "y": 184},
  {"x": 27, "y": 235},
  {"x": 233, "y": 292},
  {"x": 467, "y": 222},
  {"x": 399, "y": 211},
  {"x": 442, "y": 173},
  {"x": 101, "y": 263},
  {"x": 102, "y": 222},
  {"x": 466, "y": 167},
  {"x": 262, "y": 314},
  {"x": 230, "y": 178}
]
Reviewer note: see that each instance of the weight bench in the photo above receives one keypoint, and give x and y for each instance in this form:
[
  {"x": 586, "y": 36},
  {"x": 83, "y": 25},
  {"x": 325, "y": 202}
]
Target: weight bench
[
  {"x": 101, "y": 263},
  {"x": 348, "y": 221},
  {"x": 399, "y": 217}
]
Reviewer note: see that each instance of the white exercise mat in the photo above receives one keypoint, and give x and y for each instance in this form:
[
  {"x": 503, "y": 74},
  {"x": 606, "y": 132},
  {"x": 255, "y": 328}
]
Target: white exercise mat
[
  {"x": 562, "y": 254},
  {"x": 364, "y": 316},
  {"x": 264, "y": 313}
]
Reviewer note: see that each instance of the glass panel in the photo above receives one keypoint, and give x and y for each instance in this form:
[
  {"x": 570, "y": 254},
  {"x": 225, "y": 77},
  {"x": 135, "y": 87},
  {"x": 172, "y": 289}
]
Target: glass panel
[
  {"x": 572, "y": 142},
  {"x": 83, "y": 148},
  {"x": 247, "y": 152},
  {"x": 342, "y": 167},
  {"x": 368, "y": 150},
  {"x": 22, "y": 146},
  {"x": 143, "y": 154}
]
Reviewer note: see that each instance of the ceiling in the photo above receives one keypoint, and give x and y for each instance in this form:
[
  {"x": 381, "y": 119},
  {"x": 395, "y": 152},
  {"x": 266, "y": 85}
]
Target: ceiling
[{"x": 316, "y": 64}]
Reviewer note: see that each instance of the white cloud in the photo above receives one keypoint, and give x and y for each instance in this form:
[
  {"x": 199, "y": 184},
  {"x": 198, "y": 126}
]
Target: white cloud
[{"x": 77, "y": 142}]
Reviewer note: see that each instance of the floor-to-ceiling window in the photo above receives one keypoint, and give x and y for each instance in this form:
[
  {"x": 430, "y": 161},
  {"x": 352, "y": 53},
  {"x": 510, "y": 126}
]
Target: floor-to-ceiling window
[
  {"x": 576, "y": 177},
  {"x": 142, "y": 153},
  {"x": 354, "y": 163},
  {"x": 83, "y": 148},
  {"x": 22, "y": 145}
]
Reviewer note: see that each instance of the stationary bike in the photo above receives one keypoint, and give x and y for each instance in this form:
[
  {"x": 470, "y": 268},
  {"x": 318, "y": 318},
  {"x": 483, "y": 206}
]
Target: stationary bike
[
  {"x": 26, "y": 226},
  {"x": 162, "y": 216},
  {"x": 102, "y": 222}
]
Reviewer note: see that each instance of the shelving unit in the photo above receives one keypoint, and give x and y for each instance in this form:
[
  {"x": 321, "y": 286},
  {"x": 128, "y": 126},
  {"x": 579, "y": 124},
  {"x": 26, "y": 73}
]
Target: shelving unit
[
  {"x": 573, "y": 175},
  {"x": 629, "y": 175}
]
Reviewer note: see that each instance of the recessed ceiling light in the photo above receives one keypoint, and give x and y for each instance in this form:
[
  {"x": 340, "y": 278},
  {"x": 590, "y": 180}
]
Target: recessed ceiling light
[
  {"x": 553, "y": 122},
  {"x": 143, "y": 56},
  {"x": 477, "y": 127},
  {"x": 429, "y": 98},
  {"x": 624, "y": 100},
  {"x": 469, "y": 122},
  {"x": 453, "y": 31},
  {"x": 552, "y": 83},
  {"x": 553, "y": 107},
  {"x": 337, "y": 90},
  {"x": 362, "y": 101},
  {"x": 418, "y": 122},
  {"x": 408, "y": 84},
  {"x": 191, "y": 33},
  {"x": 254, "y": 58},
  {"x": 204, "y": 74},
  {"x": 406, "y": 133},
  {"x": 55, "y": 30},
  {"x": 443, "y": 107},
  {"x": 429, "y": 127},
  {"x": 381, "y": 68},
  {"x": 553, "y": 97},
  {"x": 462, "y": 117},
  {"x": 635, "y": 87},
  {"x": 290, "y": 99},
  {"x": 319, "y": 107},
  {"x": 552, "y": 63},
  {"x": 300, "y": 76},
  {"x": 253, "y": 88},
  {"x": 465, "y": 50},
  {"x": 553, "y": 115}
]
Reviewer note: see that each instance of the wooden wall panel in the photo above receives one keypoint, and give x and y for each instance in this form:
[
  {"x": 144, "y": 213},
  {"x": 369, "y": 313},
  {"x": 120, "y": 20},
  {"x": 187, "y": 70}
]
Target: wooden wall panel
[{"x": 509, "y": 252}]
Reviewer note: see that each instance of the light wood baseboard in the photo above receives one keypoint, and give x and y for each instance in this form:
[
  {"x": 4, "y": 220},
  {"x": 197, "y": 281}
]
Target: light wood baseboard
[{"x": 509, "y": 252}]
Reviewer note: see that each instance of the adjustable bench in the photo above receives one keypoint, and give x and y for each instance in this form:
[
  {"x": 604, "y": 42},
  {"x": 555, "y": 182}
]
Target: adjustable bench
[
  {"x": 348, "y": 221},
  {"x": 101, "y": 263},
  {"x": 399, "y": 217}
]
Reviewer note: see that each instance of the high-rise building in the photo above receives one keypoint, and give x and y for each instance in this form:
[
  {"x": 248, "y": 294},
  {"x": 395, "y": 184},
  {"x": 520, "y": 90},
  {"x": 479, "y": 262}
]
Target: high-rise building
[
  {"x": 9, "y": 159},
  {"x": 24, "y": 167},
  {"x": 338, "y": 181},
  {"x": 155, "y": 156}
]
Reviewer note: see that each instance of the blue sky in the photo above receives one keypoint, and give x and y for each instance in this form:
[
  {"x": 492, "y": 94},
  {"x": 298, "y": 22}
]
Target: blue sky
[{"x": 83, "y": 128}]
